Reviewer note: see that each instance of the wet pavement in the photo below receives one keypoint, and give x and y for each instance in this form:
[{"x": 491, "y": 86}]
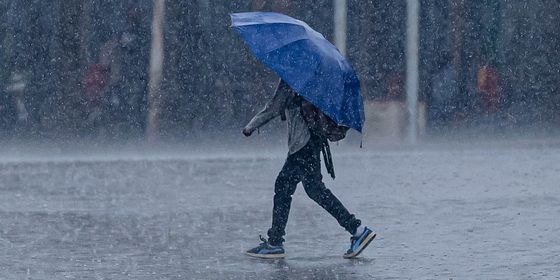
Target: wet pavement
[{"x": 439, "y": 214}]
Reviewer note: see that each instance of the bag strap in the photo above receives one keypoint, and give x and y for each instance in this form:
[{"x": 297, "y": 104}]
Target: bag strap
[{"x": 326, "y": 150}]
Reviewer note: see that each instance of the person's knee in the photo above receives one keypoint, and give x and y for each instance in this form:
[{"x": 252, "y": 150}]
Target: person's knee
[
  {"x": 282, "y": 196},
  {"x": 316, "y": 190},
  {"x": 284, "y": 188},
  {"x": 314, "y": 195}
]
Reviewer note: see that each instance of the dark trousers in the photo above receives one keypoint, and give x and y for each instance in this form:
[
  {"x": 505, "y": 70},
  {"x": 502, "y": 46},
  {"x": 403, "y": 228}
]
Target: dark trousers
[{"x": 305, "y": 166}]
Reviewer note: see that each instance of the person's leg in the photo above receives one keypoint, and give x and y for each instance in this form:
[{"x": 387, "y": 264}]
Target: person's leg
[
  {"x": 315, "y": 188},
  {"x": 284, "y": 188}
]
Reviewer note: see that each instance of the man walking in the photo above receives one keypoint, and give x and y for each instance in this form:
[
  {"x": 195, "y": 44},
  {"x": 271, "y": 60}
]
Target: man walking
[{"x": 302, "y": 165}]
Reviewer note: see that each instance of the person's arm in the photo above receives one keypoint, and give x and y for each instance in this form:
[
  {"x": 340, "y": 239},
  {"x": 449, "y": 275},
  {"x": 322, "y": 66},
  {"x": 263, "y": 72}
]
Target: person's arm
[{"x": 271, "y": 110}]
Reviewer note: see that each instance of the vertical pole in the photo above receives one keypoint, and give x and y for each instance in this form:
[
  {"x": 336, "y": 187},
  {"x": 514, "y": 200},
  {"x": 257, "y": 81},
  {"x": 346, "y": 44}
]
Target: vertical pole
[
  {"x": 457, "y": 37},
  {"x": 340, "y": 18},
  {"x": 412, "y": 21},
  {"x": 156, "y": 66}
]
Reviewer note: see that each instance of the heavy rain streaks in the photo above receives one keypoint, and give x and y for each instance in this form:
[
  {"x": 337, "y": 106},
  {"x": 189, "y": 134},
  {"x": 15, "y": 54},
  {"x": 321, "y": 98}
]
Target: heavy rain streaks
[{"x": 123, "y": 155}]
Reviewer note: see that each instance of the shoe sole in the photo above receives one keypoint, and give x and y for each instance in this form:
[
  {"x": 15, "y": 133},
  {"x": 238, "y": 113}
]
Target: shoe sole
[
  {"x": 267, "y": 256},
  {"x": 368, "y": 240}
]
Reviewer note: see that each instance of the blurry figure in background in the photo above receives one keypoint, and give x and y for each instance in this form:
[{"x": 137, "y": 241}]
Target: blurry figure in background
[
  {"x": 133, "y": 57},
  {"x": 443, "y": 106},
  {"x": 473, "y": 103},
  {"x": 490, "y": 95},
  {"x": 101, "y": 89},
  {"x": 394, "y": 112},
  {"x": 112, "y": 94},
  {"x": 488, "y": 87},
  {"x": 115, "y": 85},
  {"x": 395, "y": 89},
  {"x": 16, "y": 88},
  {"x": 8, "y": 111},
  {"x": 94, "y": 82}
]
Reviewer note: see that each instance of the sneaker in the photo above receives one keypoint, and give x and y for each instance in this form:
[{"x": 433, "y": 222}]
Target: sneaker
[
  {"x": 359, "y": 243},
  {"x": 266, "y": 251}
]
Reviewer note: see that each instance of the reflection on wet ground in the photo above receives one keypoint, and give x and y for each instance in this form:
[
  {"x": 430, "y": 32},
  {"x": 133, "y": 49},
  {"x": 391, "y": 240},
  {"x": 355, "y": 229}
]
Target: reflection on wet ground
[{"x": 439, "y": 214}]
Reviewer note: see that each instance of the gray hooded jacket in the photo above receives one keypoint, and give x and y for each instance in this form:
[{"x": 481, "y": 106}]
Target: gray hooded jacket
[{"x": 284, "y": 99}]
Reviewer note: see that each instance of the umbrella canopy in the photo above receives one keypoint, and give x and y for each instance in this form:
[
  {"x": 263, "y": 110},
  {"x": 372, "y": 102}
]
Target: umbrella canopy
[{"x": 309, "y": 63}]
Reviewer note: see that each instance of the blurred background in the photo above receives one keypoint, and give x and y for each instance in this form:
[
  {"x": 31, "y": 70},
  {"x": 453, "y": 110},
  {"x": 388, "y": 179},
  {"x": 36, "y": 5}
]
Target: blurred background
[
  {"x": 121, "y": 153},
  {"x": 81, "y": 69}
]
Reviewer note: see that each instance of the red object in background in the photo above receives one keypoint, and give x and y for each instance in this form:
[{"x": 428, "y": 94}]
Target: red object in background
[
  {"x": 95, "y": 80},
  {"x": 487, "y": 85}
]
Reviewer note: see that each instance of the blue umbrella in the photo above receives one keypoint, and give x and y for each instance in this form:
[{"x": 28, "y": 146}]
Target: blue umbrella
[{"x": 310, "y": 64}]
